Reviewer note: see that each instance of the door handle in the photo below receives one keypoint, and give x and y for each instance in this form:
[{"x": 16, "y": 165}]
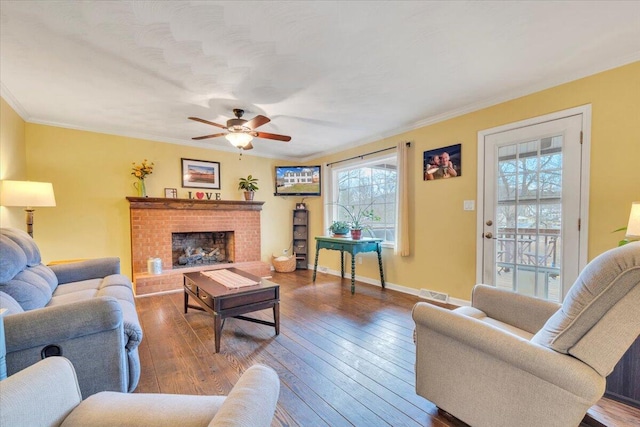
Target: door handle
[{"x": 488, "y": 235}]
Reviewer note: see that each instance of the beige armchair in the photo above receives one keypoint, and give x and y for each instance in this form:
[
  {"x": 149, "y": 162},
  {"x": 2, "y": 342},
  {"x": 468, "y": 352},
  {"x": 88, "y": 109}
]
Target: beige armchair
[
  {"x": 513, "y": 360},
  {"x": 47, "y": 394}
]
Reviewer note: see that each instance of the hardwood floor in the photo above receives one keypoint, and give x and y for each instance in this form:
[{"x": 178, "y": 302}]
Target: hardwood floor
[{"x": 342, "y": 360}]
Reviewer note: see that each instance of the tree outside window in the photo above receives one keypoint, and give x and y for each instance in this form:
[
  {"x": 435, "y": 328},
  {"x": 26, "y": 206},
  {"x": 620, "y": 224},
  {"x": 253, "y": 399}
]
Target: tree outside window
[{"x": 368, "y": 184}]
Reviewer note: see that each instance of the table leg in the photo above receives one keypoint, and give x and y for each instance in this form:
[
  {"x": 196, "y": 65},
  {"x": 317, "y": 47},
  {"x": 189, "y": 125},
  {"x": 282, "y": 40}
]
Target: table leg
[
  {"x": 186, "y": 295},
  {"x": 276, "y": 317},
  {"x": 217, "y": 330},
  {"x": 379, "y": 251},
  {"x": 315, "y": 264},
  {"x": 353, "y": 274},
  {"x": 342, "y": 264}
]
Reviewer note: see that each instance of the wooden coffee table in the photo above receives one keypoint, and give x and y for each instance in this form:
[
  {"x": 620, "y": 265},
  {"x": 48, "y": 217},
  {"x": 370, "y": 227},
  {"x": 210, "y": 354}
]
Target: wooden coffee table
[{"x": 222, "y": 302}]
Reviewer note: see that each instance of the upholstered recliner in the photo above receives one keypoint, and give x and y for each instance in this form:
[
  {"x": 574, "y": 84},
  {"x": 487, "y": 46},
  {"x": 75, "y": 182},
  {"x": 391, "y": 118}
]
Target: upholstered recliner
[
  {"x": 84, "y": 309},
  {"x": 513, "y": 360},
  {"x": 46, "y": 394}
]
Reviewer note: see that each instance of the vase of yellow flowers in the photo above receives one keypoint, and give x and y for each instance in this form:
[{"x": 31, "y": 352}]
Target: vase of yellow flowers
[{"x": 140, "y": 172}]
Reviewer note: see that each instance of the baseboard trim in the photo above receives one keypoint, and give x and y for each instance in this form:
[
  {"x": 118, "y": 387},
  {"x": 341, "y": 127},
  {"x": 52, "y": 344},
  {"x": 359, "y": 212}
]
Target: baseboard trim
[{"x": 388, "y": 285}]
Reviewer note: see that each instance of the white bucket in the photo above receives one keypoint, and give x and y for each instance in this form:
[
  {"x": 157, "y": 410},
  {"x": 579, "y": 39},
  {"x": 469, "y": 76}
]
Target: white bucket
[{"x": 154, "y": 265}]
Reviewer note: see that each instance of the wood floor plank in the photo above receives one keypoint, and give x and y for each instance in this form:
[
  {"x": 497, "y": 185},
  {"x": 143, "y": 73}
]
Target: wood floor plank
[
  {"x": 342, "y": 359},
  {"x": 354, "y": 383},
  {"x": 369, "y": 386},
  {"x": 338, "y": 344},
  {"x": 370, "y": 369},
  {"x": 242, "y": 350}
]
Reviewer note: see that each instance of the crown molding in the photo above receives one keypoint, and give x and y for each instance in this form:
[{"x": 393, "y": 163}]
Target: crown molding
[
  {"x": 508, "y": 96},
  {"x": 157, "y": 138},
  {"x": 13, "y": 102}
]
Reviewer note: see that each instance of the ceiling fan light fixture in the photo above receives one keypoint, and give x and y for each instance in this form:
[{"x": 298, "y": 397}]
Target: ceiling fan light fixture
[{"x": 239, "y": 139}]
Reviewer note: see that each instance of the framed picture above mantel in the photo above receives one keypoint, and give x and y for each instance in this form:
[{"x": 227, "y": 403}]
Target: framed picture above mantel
[{"x": 200, "y": 174}]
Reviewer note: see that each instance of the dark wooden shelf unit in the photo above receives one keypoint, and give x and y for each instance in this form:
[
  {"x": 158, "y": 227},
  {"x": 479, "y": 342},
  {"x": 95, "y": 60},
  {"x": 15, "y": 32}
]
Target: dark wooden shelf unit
[{"x": 301, "y": 238}]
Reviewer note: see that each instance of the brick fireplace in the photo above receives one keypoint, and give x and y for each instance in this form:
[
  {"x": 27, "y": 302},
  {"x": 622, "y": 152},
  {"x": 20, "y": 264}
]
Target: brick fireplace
[{"x": 155, "y": 222}]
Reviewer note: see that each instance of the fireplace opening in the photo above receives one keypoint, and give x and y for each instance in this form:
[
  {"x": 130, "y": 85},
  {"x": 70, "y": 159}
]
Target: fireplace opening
[{"x": 202, "y": 248}]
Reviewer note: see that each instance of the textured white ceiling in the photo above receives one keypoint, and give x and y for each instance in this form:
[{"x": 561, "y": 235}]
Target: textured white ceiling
[{"x": 329, "y": 74}]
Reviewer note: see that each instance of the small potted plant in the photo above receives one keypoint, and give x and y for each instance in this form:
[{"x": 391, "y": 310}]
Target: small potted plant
[
  {"x": 339, "y": 228},
  {"x": 249, "y": 185},
  {"x": 360, "y": 219}
]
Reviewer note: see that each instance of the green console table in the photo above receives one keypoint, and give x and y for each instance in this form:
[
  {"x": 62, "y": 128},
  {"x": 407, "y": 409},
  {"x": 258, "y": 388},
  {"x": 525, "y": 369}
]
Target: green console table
[{"x": 354, "y": 247}]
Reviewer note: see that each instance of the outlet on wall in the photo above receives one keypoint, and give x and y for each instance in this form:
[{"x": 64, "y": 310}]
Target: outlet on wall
[{"x": 285, "y": 251}]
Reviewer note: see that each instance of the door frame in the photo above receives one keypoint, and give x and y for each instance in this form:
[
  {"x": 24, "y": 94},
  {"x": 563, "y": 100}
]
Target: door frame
[{"x": 585, "y": 112}]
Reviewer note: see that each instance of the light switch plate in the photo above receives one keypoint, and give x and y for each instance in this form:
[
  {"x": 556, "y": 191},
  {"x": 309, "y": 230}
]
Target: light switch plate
[{"x": 469, "y": 205}]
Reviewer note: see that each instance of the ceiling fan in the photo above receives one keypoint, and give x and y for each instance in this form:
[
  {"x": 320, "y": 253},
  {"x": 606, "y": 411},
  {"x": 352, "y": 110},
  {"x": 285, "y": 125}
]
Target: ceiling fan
[{"x": 240, "y": 132}]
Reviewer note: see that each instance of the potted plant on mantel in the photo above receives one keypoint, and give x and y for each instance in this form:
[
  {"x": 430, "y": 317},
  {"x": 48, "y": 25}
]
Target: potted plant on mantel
[
  {"x": 359, "y": 219},
  {"x": 249, "y": 185}
]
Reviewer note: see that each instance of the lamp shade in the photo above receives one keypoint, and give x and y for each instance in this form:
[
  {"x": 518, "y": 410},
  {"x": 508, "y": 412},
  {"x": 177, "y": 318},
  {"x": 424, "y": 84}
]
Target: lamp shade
[
  {"x": 633, "y": 229},
  {"x": 238, "y": 139},
  {"x": 27, "y": 194}
]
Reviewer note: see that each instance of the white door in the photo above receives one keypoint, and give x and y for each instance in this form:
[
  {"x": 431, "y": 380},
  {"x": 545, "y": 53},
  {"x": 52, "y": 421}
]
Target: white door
[{"x": 530, "y": 207}]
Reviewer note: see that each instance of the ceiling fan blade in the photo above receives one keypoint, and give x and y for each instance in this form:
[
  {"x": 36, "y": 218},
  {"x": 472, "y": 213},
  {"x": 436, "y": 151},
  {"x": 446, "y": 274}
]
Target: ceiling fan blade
[
  {"x": 215, "y": 135},
  {"x": 207, "y": 122},
  {"x": 257, "y": 121},
  {"x": 273, "y": 136}
]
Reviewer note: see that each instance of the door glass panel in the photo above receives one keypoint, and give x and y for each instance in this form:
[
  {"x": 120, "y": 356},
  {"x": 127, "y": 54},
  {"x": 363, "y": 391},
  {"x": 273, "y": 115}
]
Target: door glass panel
[{"x": 528, "y": 217}]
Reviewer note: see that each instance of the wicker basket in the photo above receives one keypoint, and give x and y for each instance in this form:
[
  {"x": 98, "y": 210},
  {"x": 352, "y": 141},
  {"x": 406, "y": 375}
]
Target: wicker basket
[{"x": 284, "y": 266}]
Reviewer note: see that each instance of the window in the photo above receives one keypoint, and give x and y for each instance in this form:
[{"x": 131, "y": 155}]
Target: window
[{"x": 369, "y": 182}]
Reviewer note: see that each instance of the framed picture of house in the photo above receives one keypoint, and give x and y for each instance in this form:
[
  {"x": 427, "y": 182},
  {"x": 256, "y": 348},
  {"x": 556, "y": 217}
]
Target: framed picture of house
[
  {"x": 442, "y": 163},
  {"x": 200, "y": 174}
]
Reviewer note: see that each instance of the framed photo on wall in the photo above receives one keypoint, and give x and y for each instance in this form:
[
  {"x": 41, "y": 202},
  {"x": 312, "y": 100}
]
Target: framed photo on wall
[
  {"x": 442, "y": 163},
  {"x": 200, "y": 174}
]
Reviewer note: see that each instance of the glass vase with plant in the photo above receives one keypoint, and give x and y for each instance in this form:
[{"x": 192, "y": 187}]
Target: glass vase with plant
[
  {"x": 140, "y": 172},
  {"x": 249, "y": 185}
]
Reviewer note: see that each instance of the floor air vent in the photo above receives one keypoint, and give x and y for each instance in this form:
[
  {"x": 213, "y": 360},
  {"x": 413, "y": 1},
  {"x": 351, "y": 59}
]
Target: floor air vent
[{"x": 433, "y": 295}]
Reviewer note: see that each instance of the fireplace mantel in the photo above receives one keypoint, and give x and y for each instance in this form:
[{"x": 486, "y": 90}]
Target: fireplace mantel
[{"x": 196, "y": 204}]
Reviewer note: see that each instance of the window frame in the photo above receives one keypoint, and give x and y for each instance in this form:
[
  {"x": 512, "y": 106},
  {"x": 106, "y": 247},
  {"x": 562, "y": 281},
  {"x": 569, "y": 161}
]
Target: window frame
[{"x": 331, "y": 210}]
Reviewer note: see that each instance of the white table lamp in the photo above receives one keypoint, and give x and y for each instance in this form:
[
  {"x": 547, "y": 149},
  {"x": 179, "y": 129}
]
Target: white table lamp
[
  {"x": 633, "y": 229},
  {"x": 27, "y": 194}
]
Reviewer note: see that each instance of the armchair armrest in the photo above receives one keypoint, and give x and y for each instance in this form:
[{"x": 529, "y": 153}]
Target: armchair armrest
[
  {"x": 43, "y": 394},
  {"x": 553, "y": 367},
  {"x": 89, "y": 333},
  {"x": 61, "y": 323},
  {"x": 85, "y": 270},
  {"x": 252, "y": 401},
  {"x": 522, "y": 311}
]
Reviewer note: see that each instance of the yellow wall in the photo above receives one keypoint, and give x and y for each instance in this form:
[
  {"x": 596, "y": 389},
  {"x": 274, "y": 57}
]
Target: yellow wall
[
  {"x": 91, "y": 175},
  {"x": 444, "y": 236},
  {"x": 13, "y": 160}
]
